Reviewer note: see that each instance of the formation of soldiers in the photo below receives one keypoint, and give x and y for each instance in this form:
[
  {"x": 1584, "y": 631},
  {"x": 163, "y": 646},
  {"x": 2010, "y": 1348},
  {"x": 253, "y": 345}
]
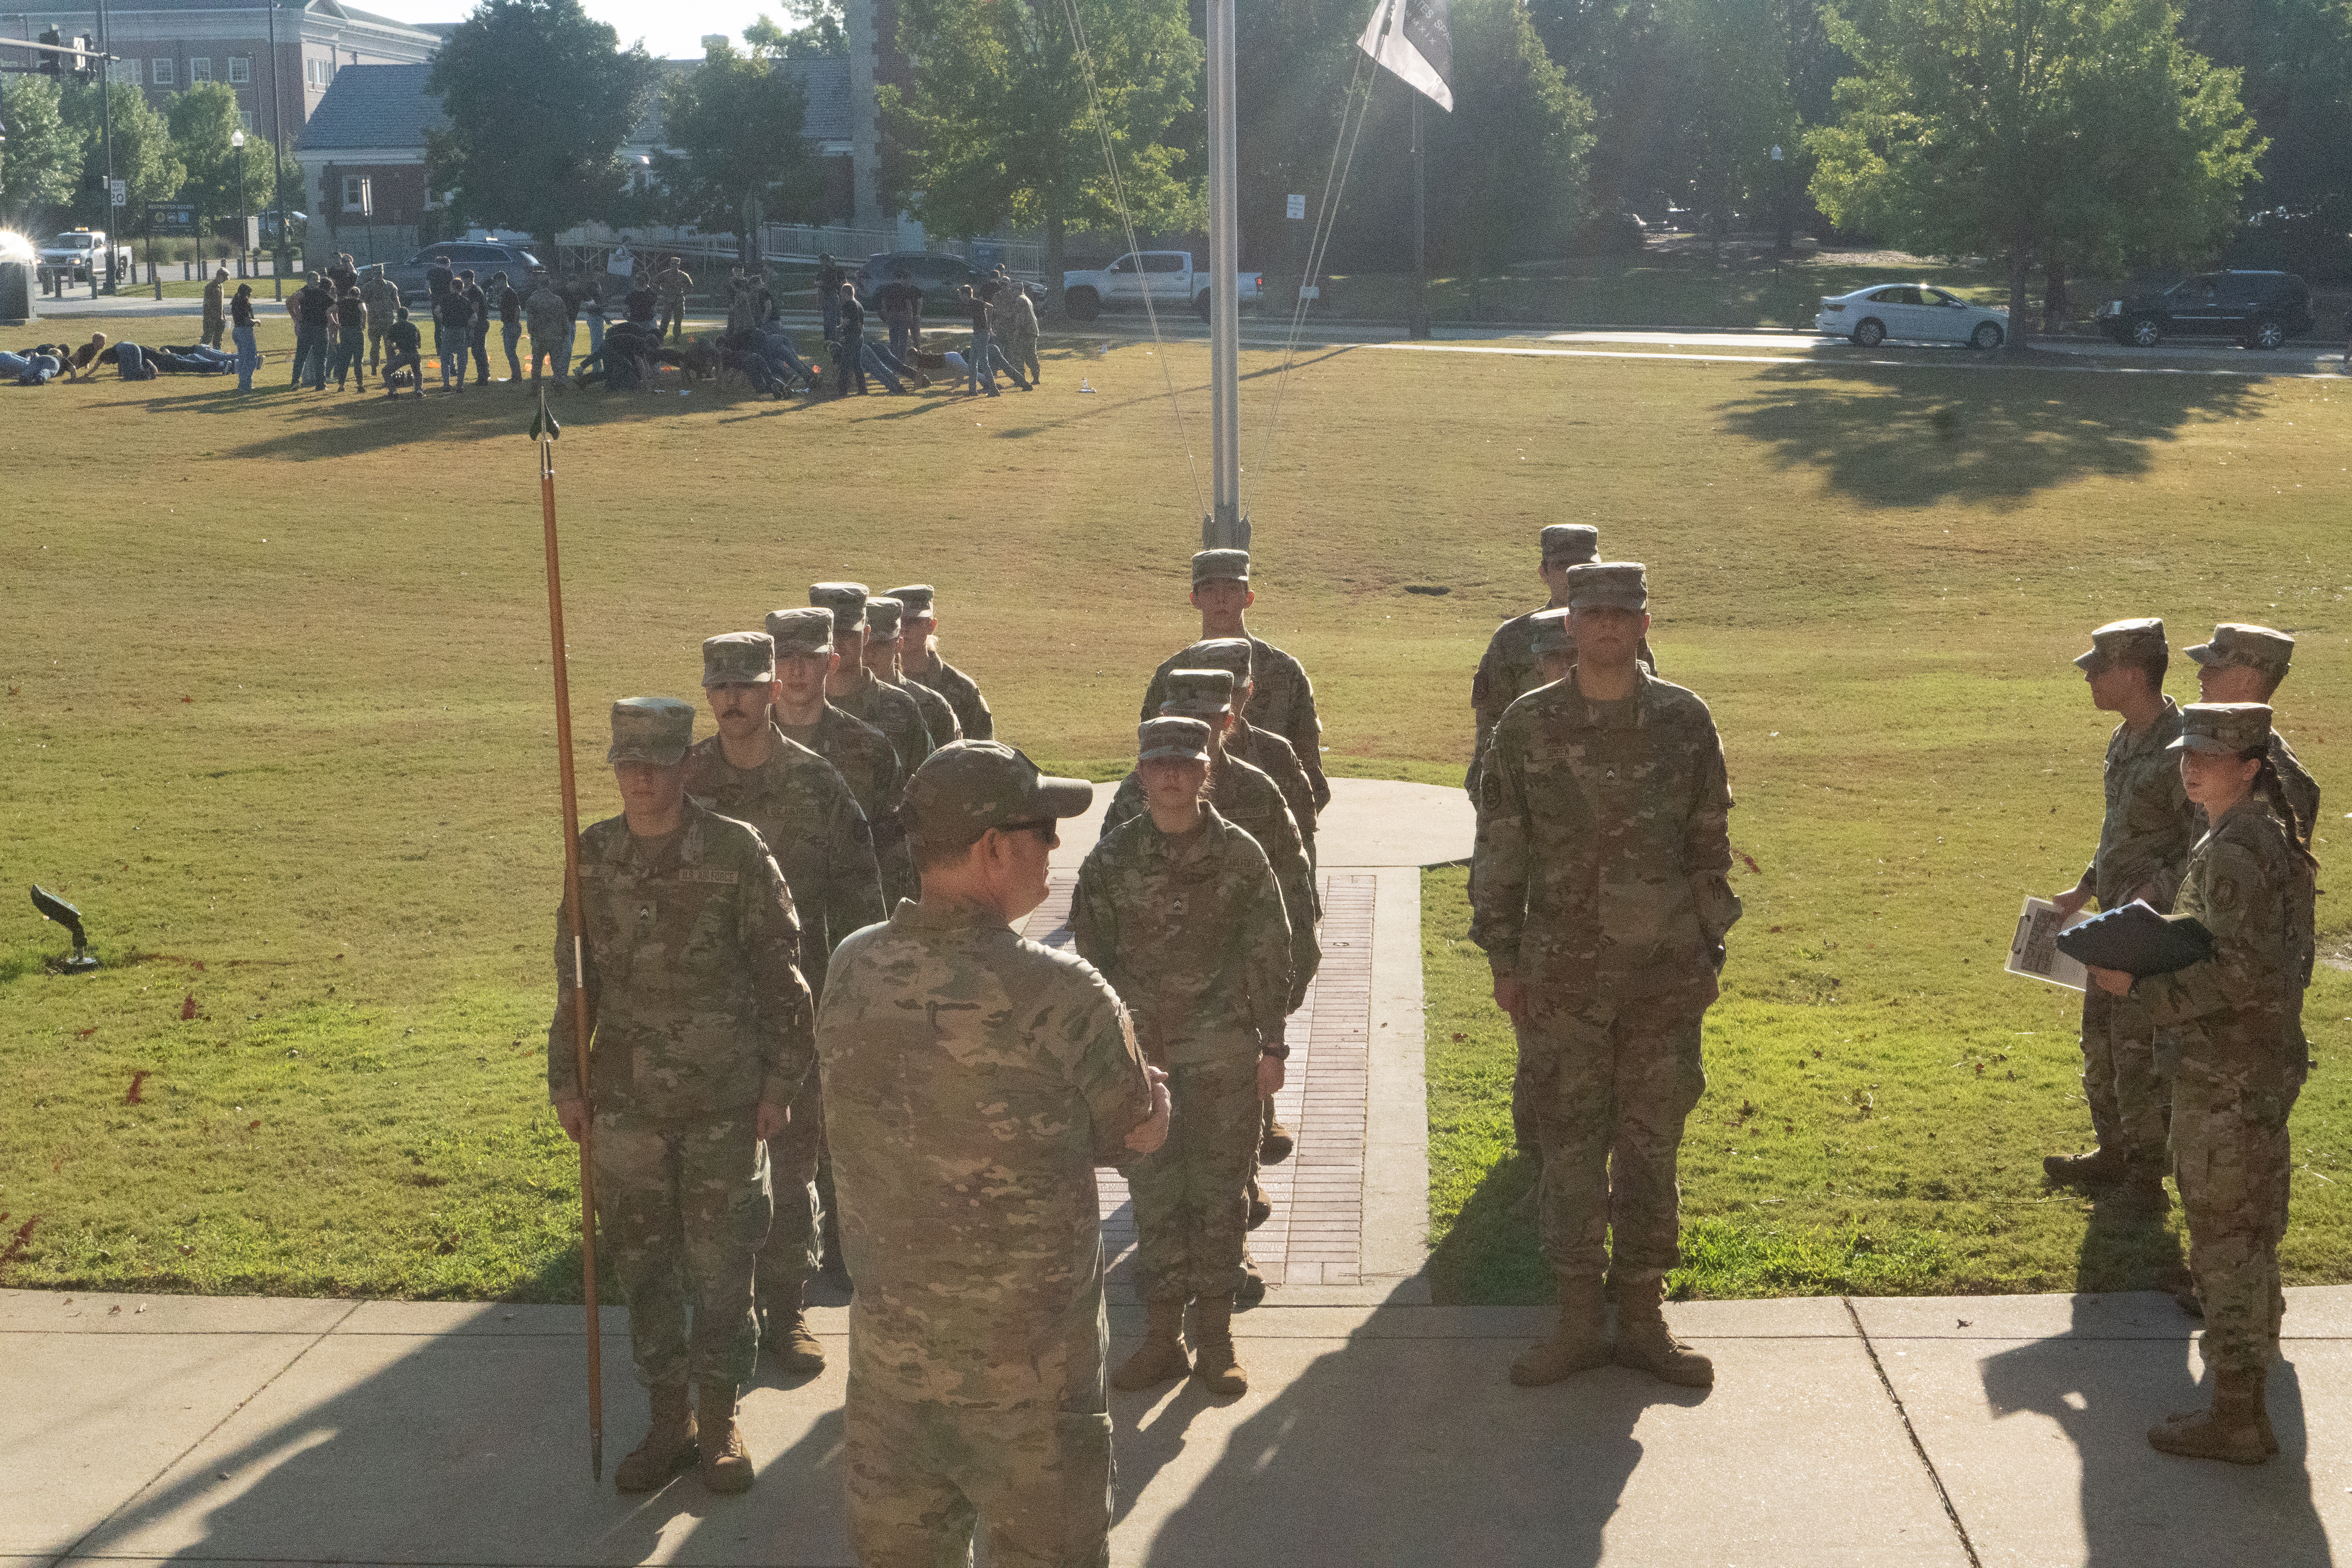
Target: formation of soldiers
[{"x": 815, "y": 1033}]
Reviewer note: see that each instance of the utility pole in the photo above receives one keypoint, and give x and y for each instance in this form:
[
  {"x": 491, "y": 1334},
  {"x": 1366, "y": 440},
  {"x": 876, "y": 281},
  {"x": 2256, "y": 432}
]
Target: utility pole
[
  {"x": 106, "y": 136},
  {"x": 1417, "y": 323},
  {"x": 277, "y": 159}
]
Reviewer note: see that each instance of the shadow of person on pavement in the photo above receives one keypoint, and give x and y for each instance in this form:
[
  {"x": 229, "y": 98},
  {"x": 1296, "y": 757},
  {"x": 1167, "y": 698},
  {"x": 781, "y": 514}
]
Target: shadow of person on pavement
[
  {"x": 1359, "y": 1458},
  {"x": 471, "y": 1446}
]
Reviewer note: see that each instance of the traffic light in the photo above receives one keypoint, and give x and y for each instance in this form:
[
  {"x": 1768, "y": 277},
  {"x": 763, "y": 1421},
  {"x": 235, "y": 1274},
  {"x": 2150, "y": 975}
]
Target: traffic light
[
  {"x": 85, "y": 63},
  {"x": 48, "y": 62}
]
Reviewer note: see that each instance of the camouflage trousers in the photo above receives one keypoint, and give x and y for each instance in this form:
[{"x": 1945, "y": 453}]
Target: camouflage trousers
[
  {"x": 680, "y": 1210},
  {"x": 1610, "y": 1084},
  {"x": 1192, "y": 1195},
  {"x": 2130, "y": 1097},
  {"x": 2230, "y": 1146},
  {"x": 789, "y": 1253},
  {"x": 1036, "y": 1477}
]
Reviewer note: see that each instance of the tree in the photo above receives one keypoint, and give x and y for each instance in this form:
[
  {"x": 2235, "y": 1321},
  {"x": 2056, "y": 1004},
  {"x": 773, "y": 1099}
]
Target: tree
[
  {"x": 144, "y": 158},
  {"x": 737, "y": 125},
  {"x": 999, "y": 122},
  {"x": 2081, "y": 130},
  {"x": 539, "y": 100},
  {"x": 1506, "y": 171},
  {"x": 1729, "y": 77},
  {"x": 44, "y": 153},
  {"x": 202, "y": 120},
  {"x": 2297, "y": 60}
]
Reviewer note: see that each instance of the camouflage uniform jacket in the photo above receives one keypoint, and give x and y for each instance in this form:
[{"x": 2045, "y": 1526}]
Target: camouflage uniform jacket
[
  {"x": 1603, "y": 843},
  {"x": 382, "y": 297},
  {"x": 671, "y": 283},
  {"x": 2301, "y": 789},
  {"x": 940, "y": 720},
  {"x": 2145, "y": 839},
  {"x": 972, "y": 1082},
  {"x": 2251, "y": 888},
  {"x": 1247, "y": 799},
  {"x": 1509, "y": 671},
  {"x": 961, "y": 691},
  {"x": 1270, "y": 755},
  {"x": 694, "y": 988},
  {"x": 812, "y": 825},
  {"x": 1190, "y": 932},
  {"x": 1282, "y": 699},
  {"x": 893, "y": 714},
  {"x": 870, "y": 766}
]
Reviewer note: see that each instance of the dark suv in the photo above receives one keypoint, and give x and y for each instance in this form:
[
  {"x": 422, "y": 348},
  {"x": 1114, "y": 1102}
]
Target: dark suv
[
  {"x": 937, "y": 275},
  {"x": 485, "y": 256},
  {"x": 2260, "y": 309}
]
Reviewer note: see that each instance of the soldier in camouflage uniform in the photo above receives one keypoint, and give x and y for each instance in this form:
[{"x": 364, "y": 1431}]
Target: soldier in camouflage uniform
[
  {"x": 883, "y": 628},
  {"x": 1509, "y": 669},
  {"x": 702, "y": 1038},
  {"x": 2144, "y": 845},
  {"x": 853, "y": 689},
  {"x": 977, "y": 1333},
  {"x": 812, "y": 825},
  {"x": 1600, "y": 897},
  {"x": 2237, "y": 1017},
  {"x": 858, "y": 752},
  {"x": 921, "y": 626},
  {"x": 1282, "y": 699},
  {"x": 1179, "y": 910},
  {"x": 2248, "y": 664}
]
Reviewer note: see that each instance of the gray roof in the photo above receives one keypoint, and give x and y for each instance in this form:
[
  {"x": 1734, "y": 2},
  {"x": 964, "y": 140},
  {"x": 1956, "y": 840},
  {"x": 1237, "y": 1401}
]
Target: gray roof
[
  {"x": 824, "y": 84},
  {"x": 372, "y": 106}
]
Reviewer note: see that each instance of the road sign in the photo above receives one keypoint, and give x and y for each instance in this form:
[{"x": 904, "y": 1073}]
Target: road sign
[
  {"x": 253, "y": 231},
  {"x": 171, "y": 220},
  {"x": 122, "y": 193},
  {"x": 1295, "y": 206}
]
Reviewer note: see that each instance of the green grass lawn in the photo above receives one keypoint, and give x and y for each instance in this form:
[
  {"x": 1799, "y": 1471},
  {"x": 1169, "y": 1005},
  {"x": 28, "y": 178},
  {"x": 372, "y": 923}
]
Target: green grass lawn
[{"x": 274, "y": 711}]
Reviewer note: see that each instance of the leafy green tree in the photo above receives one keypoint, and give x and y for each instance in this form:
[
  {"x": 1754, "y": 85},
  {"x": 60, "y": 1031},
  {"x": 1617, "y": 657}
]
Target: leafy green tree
[
  {"x": 144, "y": 158},
  {"x": 202, "y": 120},
  {"x": 999, "y": 127},
  {"x": 1730, "y": 73},
  {"x": 736, "y": 124},
  {"x": 44, "y": 153},
  {"x": 1507, "y": 168},
  {"x": 2297, "y": 60},
  {"x": 2032, "y": 129},
  {"x": 538, "y": 98}
]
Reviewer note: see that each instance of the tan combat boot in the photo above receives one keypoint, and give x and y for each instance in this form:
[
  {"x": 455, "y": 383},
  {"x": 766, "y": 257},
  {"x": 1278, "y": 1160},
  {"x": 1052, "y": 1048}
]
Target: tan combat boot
[
  {"x": 1275, "y": 1146},
  {"x": 2141, "y": 1191},
  {"x": 2232, "y": 1430},
  {"x": 1579, "y": 1343},
  {"x": 2096, "y": 1169},
  {"x": 668, "y": 1448},
  {"x": 1213, "y": 1324},
  {"x": 1162, "y": 1355},
  {"x": 1261, "y": 1209},
  {"x": 797, "y": 1350},
  {"x": 1646, "y": 1344},
  {"x": 726, "y": 1464}
]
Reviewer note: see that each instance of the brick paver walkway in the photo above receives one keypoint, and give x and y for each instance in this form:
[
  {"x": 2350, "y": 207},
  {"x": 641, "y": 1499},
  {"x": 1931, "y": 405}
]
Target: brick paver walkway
[{"x": 1316, "y": 1234}]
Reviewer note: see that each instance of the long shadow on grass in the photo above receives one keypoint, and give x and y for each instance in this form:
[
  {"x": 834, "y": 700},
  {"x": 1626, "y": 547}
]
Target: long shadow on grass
[{"x": 1914, "y": 435}]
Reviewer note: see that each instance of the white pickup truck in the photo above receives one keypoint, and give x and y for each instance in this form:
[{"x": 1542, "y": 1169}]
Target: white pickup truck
[
  {"x": 78, "y": 251},
  {"x": 1166, "y": 275}
]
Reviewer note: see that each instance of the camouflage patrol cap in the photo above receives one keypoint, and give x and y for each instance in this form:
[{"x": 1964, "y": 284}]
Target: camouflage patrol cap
[
  {"x": 846, "y": 600},
  {"x": 1548, "y": 633},
  {"x": 2239, "y": 729},
  {"x": 967, "y": 787},
  {"x": 1570, "y": 544},
  {"x": 1221, "y": 566},
  {"x": 1199, "y": 693},
  {"x": 882, "y": 619},
  {"x": 2256, "y": 648},
  {"x": 1609, "y": 585},
  {"x": 2140, "y": 638},
  {"x": 1220, "y": 652},
  {"x": 917, "y": 597},
  {"x": 739, "y": 658},
  {"x": 1171, "y": 740},
  {"x": 802, "y": 631},
  {"x": 655, "y": 730}
]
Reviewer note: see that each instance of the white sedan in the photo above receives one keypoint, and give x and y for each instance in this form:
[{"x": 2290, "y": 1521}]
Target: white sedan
[{"x": 1914, "y": 311}]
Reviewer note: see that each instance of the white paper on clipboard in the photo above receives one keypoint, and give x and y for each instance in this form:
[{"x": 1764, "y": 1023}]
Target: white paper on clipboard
[{"x": 2033, "y": 948}]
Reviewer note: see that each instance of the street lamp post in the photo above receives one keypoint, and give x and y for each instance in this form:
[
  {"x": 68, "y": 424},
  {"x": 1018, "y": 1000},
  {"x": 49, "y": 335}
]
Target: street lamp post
[{"x": 236, "y": 145}]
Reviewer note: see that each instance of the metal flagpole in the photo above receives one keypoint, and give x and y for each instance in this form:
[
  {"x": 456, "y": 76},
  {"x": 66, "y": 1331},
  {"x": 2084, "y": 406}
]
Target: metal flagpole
[
  {"x": 1226, "y": 527},
  {"x": 545, "y": 428}
]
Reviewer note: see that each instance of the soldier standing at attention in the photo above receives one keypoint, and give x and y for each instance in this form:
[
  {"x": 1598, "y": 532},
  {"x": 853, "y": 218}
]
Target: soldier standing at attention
[
  {"x": 1508, "y": 671},
  {"x": 885, "y": 629},
  {"x": 1261, "y": 749},
  {"x": 670, "y": 285},
  {"x": 2248, "y": 664},
  {"x": 2143, "y": 845},
  {"x": 1600, "y": 897},
  {"x": 862, "y": 754},
  {"x": 702, "y": 1037},
  {"x": 922, "y": 624},
  {"x": 852, "y": 687},
  {"x": 1283, "y": 699},
  {"x": 2238, "y": 1018},
  {"x": 550, "y": 329},
  {"x": 1180, "y": 911},
  {"x": 381, "y": 295},
  {"x": 958, "y": 1058},
  {"x": 812, "y": 825},
  {"x": 829, "y": 279},
  {"x": 215, "y": 314}
]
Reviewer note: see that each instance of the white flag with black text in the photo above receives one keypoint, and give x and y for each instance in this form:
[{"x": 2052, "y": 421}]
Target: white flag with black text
[{"x": 1414, "y": 39}]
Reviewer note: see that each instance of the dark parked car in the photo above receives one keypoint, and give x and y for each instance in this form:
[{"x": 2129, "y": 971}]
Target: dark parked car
[
  {"x": 935, "y": 274},
  {"x": 485, "y": 256},
  {"x": 2260, "y": 309}
]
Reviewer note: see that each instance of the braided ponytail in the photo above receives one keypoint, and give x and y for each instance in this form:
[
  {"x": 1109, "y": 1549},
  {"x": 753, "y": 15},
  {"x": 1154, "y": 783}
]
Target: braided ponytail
[{"x": 2273, "y": 791}]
